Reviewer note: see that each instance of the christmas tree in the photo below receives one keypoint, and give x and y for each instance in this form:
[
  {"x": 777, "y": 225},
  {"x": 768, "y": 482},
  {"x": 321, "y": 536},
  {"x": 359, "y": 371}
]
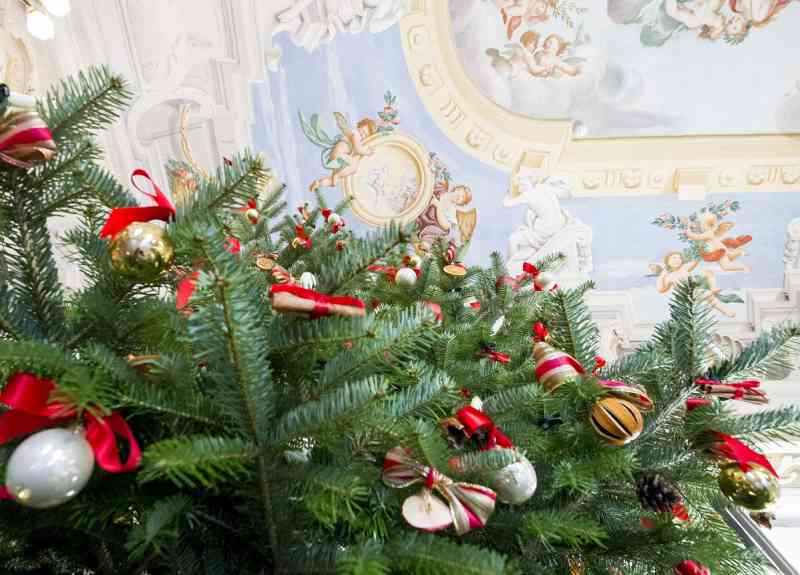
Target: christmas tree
[{"x": 239, "y": 390}]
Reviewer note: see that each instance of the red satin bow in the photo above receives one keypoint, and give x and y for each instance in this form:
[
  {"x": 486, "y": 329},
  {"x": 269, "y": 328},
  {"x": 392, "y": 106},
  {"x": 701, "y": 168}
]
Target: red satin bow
[
  {"x": 474, "y": 419},
  {"x": 540, "y": 331},
  {"x": 495, "y": 355},
  {"x": 28, "y": 397},
  {"x": 301, "y": 238},
  {"x": 690, "y": 567},
  {"x": 599, "y": 363},
  {"x": 694, "y": 402},
  {"x": 121, "y": 218},
  {"x": 322, "y": 302},
  {"x": 185, "y": 289},
  {"x": 233, "y": 245},
  {"x": 731, "y": 448}
]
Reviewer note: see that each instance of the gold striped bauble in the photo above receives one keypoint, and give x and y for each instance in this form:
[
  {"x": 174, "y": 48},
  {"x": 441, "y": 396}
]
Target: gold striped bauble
[
  {"x": 554, "y": 367},
  {"x": 616, "y": 421}
]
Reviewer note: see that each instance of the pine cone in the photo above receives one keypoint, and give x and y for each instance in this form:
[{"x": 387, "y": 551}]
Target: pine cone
[{"x": 658, "y": 493}]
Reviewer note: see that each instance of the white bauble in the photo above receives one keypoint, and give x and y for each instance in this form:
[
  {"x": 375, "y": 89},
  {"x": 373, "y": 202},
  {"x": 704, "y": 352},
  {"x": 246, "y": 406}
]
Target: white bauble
[
  {"x": 308, "y": 280},
  {"x": 49, "y": 468},
  {"x": 544, "y": 281},
  {"x": 515, "y": 483},
  {"x": 405, "y": 277},
  {"x": 498, "y": 324}
]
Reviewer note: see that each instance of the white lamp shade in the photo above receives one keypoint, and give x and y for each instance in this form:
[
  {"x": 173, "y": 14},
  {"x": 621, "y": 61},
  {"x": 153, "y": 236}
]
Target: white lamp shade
[
  {"x": 40, "y": 25},
  {"x": 58, "y": 8}
]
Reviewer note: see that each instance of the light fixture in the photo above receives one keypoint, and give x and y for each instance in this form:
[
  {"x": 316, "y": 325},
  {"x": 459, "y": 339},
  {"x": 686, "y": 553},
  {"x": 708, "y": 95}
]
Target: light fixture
[
  {"x": 58, "y": 8},
  {"x": 40, "y": 25}
]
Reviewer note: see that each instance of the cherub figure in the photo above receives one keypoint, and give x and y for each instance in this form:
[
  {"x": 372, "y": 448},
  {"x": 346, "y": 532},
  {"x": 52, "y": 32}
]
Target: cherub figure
[
  {"x": 717, "y": 249},
  {"x": 551, "y": 60},
  {"x": 442, "y": 214},
  {"x": 675, "y": 270},
  {"x": 706, "y": 17},
  {"x": 515, "y": 58},
  {"x": 517, "y": 12},
  {"x": 342, "y": 153}
]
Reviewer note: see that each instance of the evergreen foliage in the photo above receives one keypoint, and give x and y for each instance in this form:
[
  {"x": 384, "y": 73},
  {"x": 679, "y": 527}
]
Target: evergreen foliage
[{"x": 264, "y": 434}]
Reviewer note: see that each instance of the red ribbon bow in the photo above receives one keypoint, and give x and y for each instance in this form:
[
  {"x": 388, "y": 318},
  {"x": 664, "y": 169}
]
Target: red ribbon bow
[
  {"x": 694, "y": 402},
  {"x": 301, "y": 238},
  {"x": 733, "y": 449},
  {"x": 494, "y": 355},
  {"x": 28, "y": 396},
  {"x": 322, "y": 302},
  {"x": 121, "y": 218},
  {"x": 474, "y": 420},
  {"x": 540, "y": 331},
  {"x": 690, "y": 567},
  {"x": 435, "y": 308},
  {"x": 530, "y": 269},
  {"x": 599, "y": 363},
  {"x": 185, "y": 289}
]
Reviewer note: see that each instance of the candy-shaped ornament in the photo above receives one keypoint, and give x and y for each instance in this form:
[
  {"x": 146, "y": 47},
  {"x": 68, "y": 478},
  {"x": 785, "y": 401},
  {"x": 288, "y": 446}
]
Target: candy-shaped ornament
[
  {"x": 141, "y": 252},
  {"x": 49, "y": 468},
  {"x": 553, "y": 367},
  {"x": 616, "y": 421}
]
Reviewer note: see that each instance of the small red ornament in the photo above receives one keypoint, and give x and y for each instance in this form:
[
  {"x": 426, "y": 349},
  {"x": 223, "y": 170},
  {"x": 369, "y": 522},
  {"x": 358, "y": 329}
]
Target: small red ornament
[{"x": 690, "y": 567}]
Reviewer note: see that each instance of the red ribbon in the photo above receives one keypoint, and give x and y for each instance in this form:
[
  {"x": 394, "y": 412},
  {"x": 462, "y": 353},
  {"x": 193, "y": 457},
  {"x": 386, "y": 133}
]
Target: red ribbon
[
  {"x": 322, "y": 302},
  {"x": 540, "y": 331},
  {"x": 690, "y": 567},
  {"x": 233, "y": 245},
  {"x": 390, "y": 271},
  {"x": 435, "y": 308},
  {"x": 121, "y": 218},
  {"x": 695, "y": 402},
  {"x": 474, "y": 419},
  {"x": 733, "y": 449},
  {"x": 495, "y": 355},
  {"x": 740, "y": 388},
  {"x": 599, "y": 363},
  {"x": 185, "y": 289},
  {"x": 28, "y": 396},
  {"x": 301, "y": 238},
  {"x": 530, "y": 269}
]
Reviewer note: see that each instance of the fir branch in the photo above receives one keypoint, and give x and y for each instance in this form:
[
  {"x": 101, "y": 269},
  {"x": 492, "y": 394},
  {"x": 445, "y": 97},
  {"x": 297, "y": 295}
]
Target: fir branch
[
  {"x": 771, "y": 426},
  {"x": 570, "y": 323},
  {"x": 693, "y": 321},
  {"x": 312, "y": 415},
  {"x": 91, "y": 101},
  {"x": 554, "y": 527},
  {"x": 367, "y": 559},
  {"x": 773, "y": 352},
  {"x": 197, "y": 461},
  {"x": 427, "y": 554},
  {"x": 158, "y": 522}
]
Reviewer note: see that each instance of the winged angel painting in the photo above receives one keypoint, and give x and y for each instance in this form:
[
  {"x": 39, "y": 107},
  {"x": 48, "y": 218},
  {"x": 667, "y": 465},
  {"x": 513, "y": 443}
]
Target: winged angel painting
[
  {"x": 729, "y": 20},
  {"x": 709, "y": 244}
]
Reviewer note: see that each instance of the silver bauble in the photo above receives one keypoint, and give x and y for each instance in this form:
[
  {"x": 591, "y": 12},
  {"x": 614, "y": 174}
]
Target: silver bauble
[
  {"x": 515, "y": 483},
  {"x": 405, "y": 277},
  {"x": 49, "y": 468}
]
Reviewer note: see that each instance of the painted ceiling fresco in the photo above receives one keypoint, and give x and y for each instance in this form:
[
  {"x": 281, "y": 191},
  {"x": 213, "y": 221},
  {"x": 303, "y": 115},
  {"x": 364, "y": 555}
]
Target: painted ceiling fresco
[
  {"x": 637, "y": 67},
  {"x": 346, "y": 120}
]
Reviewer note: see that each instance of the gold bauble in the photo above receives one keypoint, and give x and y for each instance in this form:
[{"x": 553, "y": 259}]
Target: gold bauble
[
  {"x": 142, "y": 252},
  {"x": 754, "y": 489},
  {"x": 616, "y": 421}
]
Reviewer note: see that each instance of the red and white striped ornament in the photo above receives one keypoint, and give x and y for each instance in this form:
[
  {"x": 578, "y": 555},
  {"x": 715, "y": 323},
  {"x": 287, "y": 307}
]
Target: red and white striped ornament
[{"x": 553, "y": 367}]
